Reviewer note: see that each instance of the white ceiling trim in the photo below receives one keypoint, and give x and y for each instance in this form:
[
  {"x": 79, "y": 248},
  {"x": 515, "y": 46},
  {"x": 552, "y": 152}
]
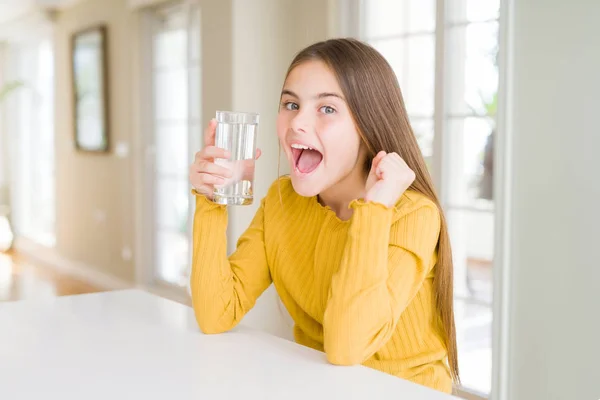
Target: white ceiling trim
[
  {"x": 137, "y": 4},
  {"x": 29, "y": 27},
  {"x": 11, "y": 10},
  {"x": 24, "y": 20},
  {"x": 56, "y": 4}
]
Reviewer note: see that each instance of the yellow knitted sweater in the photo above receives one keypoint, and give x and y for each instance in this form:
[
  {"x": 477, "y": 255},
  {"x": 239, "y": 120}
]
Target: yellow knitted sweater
[{"x": 360, "y": 290}]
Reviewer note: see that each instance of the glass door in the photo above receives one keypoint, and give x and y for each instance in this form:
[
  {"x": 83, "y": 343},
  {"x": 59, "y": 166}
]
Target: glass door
[
  {"x": 444, "y": 53},
  {"x": 176, "y": 134},
  {"x": 471, "y": 67},
  {"x": 29, "y": 125}
]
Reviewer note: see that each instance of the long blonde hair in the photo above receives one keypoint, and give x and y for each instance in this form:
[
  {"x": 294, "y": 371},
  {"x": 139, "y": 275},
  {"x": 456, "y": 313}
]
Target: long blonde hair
[{"x": 375, "y": 101}]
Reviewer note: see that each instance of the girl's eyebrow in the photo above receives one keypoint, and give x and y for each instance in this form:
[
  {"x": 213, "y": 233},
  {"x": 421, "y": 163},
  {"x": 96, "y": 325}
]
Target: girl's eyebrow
[
  {"x": 319, "y": 96},
  {"x": 289, "y": 93},
  {"x": 329, "y": 94}
]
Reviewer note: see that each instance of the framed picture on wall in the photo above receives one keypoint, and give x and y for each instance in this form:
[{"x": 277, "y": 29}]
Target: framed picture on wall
[{"x": 89, "y": 71}]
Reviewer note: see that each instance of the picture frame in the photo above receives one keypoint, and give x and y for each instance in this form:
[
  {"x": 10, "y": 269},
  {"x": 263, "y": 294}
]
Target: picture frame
[{"x": 89, "y": 62}]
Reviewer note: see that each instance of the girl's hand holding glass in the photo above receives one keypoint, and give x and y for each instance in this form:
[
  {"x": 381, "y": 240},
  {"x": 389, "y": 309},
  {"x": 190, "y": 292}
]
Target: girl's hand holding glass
[{"x": 205, "y": 174}]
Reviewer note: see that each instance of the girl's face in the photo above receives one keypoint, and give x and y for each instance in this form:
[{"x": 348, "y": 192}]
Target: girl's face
[{"x": 316, "y": 130}]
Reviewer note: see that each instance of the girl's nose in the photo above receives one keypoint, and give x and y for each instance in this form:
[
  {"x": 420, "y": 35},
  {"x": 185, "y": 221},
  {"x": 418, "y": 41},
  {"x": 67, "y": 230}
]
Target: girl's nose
[{"x": 301, "y": 123}]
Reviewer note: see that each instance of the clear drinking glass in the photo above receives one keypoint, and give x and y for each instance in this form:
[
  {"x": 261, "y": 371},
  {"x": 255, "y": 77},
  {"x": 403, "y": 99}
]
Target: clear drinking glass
[{"x": 236, "y": 132}]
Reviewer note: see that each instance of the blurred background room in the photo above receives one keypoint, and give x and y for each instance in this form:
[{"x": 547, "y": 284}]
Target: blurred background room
[{"x": 103, "y": 104}]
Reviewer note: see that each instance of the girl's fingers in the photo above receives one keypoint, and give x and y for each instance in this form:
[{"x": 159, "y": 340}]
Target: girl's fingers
[
  {"x": 209, "y": 133},
  {"x": 208, "y": 179},
  {"x": 376, "y": 162},
  {"x": 205, "y": 183},
  {"x": 207, "y": 167},
  {"x": 212, "y": 152},
  {"x": 380, "y": 156},
  {"x": 394, "y": 166},
  {"x": 258, "y": 153},
  {"x": 248, "y": 170},
  {"x": 205, "y": 190}
]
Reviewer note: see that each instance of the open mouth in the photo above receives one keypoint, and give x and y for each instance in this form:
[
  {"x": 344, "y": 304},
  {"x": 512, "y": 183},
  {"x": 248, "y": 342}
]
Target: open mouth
[{"x": 306, "y": 159}]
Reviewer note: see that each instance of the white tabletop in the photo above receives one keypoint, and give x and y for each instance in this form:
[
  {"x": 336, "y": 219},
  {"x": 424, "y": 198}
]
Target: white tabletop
[{"x": 133, "y": 345}]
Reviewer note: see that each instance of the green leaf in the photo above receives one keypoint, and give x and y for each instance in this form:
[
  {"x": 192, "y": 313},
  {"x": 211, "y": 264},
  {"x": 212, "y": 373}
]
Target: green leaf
[{"x": 8, "y": 88}]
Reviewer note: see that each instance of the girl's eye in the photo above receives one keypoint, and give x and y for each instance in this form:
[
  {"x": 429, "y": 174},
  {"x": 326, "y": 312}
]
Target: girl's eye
[
  {"x": 291, "y": 106},
  {"x": 327, "y": 110}
]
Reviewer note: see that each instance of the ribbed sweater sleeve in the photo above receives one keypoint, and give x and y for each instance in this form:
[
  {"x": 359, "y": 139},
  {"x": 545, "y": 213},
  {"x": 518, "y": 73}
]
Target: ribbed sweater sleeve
[
  {"x": 383, "y": 266},
  {"x": 225, "y": 289}
]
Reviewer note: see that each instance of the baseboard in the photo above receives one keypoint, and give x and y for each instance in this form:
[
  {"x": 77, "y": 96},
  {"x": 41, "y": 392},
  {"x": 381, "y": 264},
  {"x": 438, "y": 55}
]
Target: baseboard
[
  {"x": 48, "y": 256},
  {"x": 171, "y": 293},
  {"x": 468, "y": 394}
]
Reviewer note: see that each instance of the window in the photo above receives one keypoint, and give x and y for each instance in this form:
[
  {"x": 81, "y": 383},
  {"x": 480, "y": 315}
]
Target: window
[
  {"x": 404, "y": 32},
  {"x": 29, "y": 125},
  {"x": 450, "y": 95},
  {"x": 176, "y": 132}
]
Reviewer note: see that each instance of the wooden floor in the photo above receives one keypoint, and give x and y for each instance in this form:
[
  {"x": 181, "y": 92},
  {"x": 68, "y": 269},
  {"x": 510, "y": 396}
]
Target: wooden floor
[{"x": 20, "y": 279}]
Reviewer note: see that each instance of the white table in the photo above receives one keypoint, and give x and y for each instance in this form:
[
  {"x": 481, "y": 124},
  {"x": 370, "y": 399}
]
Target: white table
[{"x": 133, "y": 345}]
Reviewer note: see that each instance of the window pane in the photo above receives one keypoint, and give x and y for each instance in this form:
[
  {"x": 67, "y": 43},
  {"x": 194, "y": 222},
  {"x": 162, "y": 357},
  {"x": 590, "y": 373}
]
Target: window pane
[
  {"x": 413, "y": 61},
  {"x": 171, "y": 94},
  {"x": 30, "y": 115},
  {"x": 44, "y": 197},
  {"x": 394, "y": 52},
  {"x": 417, "y": 84},
  {"x": 194, "y": 32},
  {"x": 474, "y": 341},
  {"x": 472, "y": 237},
  {"x": 388, "y": 18},
  {"x": 422, "y": 16},
  {"x": 470, "y": 148},
  {"x": 196, "y": 135},
  {"x": 473, "y": 68},
  {"x": 423, "y": 129},
  {"x": 177, "y": 135},
  {"x": 195, "y": 92},
  {"x": 170, "y": 49},
  {"x": 172, "y": 254},
  {"x": 172, "y": 149},
  {"x": 385, "y": 17},
  {"x": 459, "y": 11},
  {"x": 172, "y": 198}
]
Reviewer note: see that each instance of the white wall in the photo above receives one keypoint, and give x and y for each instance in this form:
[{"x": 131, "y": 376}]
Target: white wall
[
  {"x": 261, "y": 48},
  {"x": 266, "y": 35},
  {"x": 554, "y": 271},
  {"x": 94, "y": 192}
]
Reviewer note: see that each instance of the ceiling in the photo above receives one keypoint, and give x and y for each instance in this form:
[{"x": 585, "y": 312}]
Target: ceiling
[{"x": 11, "y": 9}]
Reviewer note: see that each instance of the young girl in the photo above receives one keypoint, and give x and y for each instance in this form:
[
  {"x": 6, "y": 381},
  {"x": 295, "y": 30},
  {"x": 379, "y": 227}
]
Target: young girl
[{"x": 354, "y": 239}]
